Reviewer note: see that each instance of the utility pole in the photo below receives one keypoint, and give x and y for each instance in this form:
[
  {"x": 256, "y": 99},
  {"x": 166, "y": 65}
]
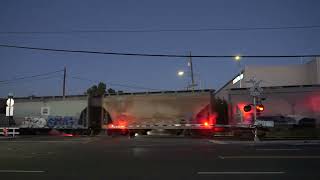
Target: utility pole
[
  {"x": 64, "y": 82},
  {"x": 191, "y": 71}
]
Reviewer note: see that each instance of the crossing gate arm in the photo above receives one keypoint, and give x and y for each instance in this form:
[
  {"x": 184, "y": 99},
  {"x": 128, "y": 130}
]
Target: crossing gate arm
[{"x": 163, "y": 126}]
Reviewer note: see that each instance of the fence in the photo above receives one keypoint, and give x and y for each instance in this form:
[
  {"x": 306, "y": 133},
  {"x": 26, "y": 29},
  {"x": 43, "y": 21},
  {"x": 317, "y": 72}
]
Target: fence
[{"x": 9, "y": 131}]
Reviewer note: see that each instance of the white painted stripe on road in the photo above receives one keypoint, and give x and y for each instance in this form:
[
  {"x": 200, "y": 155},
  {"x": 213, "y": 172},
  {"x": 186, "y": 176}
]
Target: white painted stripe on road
[
  {"x": 269, "y": 157},
  {"x": 295, "y": 149},
  {"x": 240, "y": 172},
  {"x": 218, "y": 142},
  {"x": 35, "y": 141},
  {"x": 20, "y": 171}
]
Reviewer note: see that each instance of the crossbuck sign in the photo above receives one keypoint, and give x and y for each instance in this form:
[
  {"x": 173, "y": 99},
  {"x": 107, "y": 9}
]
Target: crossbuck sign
[{"x": 255, "y": 90}]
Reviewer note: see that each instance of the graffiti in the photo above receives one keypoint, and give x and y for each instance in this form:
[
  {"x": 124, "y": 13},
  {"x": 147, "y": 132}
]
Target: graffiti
[
  {"x": 61, "y": 122},
  {"x": 33, "y": 122},
  {"x": 50, "y": 122}
]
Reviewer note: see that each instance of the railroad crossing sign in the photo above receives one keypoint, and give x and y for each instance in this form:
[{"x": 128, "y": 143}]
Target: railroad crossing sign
[{"x": 255, "y": 90}]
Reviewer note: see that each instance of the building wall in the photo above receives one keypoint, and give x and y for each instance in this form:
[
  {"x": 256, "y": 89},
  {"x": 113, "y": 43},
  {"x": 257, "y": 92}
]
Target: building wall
[
  {"x": 278, "y": 75},
  {"x": 285, "y": 101},
  {"x": 285, "y": 75},
  {"x": 313, "y": 71}
]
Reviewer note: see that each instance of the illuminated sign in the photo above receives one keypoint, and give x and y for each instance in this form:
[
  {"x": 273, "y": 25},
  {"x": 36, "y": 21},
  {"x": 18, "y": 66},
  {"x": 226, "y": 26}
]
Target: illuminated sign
[
  {"x": 9, "y": 108},
  {"x": 238, "y": 78}
]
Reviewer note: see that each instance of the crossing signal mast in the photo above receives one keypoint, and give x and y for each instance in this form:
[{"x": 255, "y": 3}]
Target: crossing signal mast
[{"x": 255, "y": 92}]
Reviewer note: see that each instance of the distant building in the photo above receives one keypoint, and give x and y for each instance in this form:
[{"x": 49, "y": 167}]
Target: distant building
[
  {"x": 280, "y": 75},
  {"x": 288, "y": 90},
  {"x": 287, "y": 101}
]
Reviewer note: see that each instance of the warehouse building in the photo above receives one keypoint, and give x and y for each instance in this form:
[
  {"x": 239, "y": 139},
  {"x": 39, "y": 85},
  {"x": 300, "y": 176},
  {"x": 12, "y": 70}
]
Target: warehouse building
[
  {"x": 284, "y": 75},
  {"x": 288, "y": 90}
]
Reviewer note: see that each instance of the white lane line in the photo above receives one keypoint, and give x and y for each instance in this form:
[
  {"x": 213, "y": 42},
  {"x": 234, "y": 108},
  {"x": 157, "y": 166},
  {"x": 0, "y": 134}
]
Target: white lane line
[
  {"x": 68, "y": 141},
  {"x": 20, "y": 171},
  {"x": 295, "y": 149},
  {"x": 269, "y": 157},
  {"x": 218, "y": 142},
  {"x": 240, "y": 172}
]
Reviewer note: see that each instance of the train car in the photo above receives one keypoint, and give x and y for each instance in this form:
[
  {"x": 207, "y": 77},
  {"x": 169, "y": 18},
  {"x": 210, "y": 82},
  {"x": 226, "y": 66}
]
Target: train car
[
  {"x": 172, "y": 111},
  {"x": 40, "y": 114}
]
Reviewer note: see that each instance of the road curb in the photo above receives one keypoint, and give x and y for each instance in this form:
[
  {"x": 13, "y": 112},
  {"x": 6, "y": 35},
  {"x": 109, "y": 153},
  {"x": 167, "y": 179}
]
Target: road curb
[{"x": 290, "y": 142}]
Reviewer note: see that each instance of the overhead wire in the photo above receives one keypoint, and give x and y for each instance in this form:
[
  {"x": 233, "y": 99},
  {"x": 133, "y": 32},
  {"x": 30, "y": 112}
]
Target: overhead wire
[
  {"x": 29, "y": 80},
  {"x": 153, "y": 55},
  {"x": 203, "y": 29},
  {"x": 29, "y": 77}
]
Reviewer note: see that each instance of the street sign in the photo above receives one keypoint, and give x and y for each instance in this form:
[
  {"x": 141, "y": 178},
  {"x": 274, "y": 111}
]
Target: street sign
[
  {"x": 255, "y": 93},
  {"x": 9, "y": 108},
  {"x": 255, "y": 90},
  {"x": 10, "y": 102},
  {"x": 9, "y": 111}
]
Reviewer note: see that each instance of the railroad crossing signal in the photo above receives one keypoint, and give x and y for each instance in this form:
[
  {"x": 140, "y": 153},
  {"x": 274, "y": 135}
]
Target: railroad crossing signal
[
  {"x": 247, "y": 108},
  {"x": 255, "y": 90},
  {"x": 260, "y": 108}
]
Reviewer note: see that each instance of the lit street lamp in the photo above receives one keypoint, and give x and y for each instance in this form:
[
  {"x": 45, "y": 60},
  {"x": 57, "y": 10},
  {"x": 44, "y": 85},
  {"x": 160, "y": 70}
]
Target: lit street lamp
[
  {"x": 180, "y": 73},
  {"x": 237, "y": 58}
]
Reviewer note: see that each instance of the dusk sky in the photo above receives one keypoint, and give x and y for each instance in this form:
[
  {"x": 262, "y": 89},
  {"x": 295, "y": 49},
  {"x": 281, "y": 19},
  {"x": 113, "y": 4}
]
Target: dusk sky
[{"x": 149, "y": 72}]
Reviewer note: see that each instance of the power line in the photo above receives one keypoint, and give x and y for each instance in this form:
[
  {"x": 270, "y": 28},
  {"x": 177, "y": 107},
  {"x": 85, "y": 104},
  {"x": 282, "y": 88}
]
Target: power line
[
  {"x": 207, "y": 29},
  {"x": 28, "y": 77},
  {"x": 119, "y": 85},
  {"x": 30, "y": 80},
  {"x": 154, "y": 55}
]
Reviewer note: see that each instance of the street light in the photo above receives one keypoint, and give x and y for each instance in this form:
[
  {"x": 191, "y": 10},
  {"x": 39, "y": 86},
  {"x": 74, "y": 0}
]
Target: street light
[
  {"x": 180, "y": 73},
  {"x": 238, "y": 58}
]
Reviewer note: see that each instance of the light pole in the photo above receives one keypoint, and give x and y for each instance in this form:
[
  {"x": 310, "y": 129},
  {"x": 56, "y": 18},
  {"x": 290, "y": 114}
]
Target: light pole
[
  {"x": 193, "y": 84},
  {"x": 190, "y": 72},
  {"x": 238, "y": 58}
]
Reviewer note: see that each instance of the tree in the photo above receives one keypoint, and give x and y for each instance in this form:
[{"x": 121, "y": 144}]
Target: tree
[
  {"x": 97, "y": 90},
  {"x": 111, "y": 91}
]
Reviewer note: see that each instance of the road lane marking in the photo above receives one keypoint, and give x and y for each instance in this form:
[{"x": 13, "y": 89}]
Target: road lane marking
[
  {"x": 20, "y": 171},
  {"x": 240, "y": 172},
  {"x": 295, "y": 149},
  {"x": 269, "y": 157},
  {"x": 35, "y": 141},
  {"x": 218, "y": 142}
]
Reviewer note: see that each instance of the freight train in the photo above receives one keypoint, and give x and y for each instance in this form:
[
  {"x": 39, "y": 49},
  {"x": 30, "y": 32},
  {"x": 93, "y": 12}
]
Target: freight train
[{"x": 118, "y": 113}]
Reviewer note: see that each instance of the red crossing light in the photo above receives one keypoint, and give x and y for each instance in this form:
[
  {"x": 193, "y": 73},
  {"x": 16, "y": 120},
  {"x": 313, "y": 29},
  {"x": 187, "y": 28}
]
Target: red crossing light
[
  {"x": 247, "y": 108},
  {"x": 260, "y": 108}
]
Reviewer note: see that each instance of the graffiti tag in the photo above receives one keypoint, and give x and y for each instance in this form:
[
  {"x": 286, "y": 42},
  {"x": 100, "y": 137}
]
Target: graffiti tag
[
  {"x": 61, "y": 122},
  {"x": 50, "y": 122}
]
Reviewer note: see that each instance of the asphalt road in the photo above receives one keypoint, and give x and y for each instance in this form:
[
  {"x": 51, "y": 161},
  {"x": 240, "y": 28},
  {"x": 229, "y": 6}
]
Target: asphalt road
[{"x": 155, "y": 158}]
